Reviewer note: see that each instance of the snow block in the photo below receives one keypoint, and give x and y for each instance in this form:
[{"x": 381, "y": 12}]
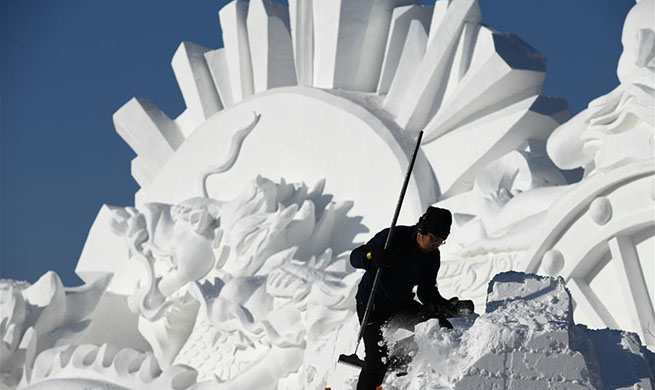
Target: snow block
[
  {"x": 302, "y": 37},
  {"x": 271, "y": 49},
  {"x": 503, "y": 70},
  {"x": 196, "y": 83},
  {"x": 412, "y": 54},
  {"x": 217, "y": 63},
  {"x": 496, "y": 135},
  {"x": 235, "y": 39},
  {"x": 526, "y": 339},
  {"x": 400, "y": 22},
  {"x": 150, "y": 133},
  {"x": 349, "y": 44},
  {"x": 426, "y": 89}
]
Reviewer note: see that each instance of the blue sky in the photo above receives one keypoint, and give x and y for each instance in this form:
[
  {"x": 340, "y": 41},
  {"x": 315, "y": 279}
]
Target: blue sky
[{"x": 68, "y": 65}]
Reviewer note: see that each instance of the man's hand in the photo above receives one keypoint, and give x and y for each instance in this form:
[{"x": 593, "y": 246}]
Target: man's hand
[
  {"x": 452, "y": 302},
  {"x": 444, "y": 323},
  {"x": 380, "y": 258}
]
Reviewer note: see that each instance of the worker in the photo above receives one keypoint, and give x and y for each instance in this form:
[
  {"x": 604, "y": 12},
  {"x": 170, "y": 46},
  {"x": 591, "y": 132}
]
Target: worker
[{"x": 412, "y": 259}]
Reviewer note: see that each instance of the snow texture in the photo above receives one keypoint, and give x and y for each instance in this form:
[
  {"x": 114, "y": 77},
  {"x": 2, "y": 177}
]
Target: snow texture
[
  {"x": 219, "y": 278},
  {"x": 526, "y": 339}
]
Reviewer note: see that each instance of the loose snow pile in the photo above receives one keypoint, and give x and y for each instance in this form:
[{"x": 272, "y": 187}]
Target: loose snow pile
[{"x": 525, "y": 340}]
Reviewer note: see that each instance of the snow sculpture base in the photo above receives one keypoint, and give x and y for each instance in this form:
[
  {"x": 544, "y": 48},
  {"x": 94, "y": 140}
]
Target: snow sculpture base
[{"x": 526, "y": 339}]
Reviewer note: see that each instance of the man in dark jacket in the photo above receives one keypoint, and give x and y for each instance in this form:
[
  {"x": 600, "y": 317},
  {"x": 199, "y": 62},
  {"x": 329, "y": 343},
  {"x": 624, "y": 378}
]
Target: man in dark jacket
[{"x": 411, "y": 260}]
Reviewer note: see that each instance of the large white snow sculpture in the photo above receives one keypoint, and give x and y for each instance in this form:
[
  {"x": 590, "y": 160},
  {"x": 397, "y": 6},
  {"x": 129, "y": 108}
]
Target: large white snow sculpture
[
  {"x": 526, "y": 339},
  {"x": 601, "y": 236},
  {"x": 36, "y": 317},
  {"x": 470, "y": 82},
  {"x": 248, "y": 291},
  {"x": 599, "y": 233},
  {"x": 616, "y": 129},
  {"x": 253, "y": 289}
]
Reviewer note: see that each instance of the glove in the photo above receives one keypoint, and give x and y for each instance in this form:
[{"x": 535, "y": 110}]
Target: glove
[
  {"x": 380, "y": 258},
  {"x": 444, "y": 323},
  {"x": 432, "y": 311}
]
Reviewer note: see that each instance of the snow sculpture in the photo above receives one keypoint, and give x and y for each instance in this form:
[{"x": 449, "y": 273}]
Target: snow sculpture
[
  {"x": 386, "y": 69},
  {"x": 253, "y": 289},
  {"x": 526, "y": 339},
  {"x": 36, "y": 317},
  {"x": 616, "y": 129},
  {"x": 89, "y": 366},
  {"x": 603, "y": 228},
  {"x": 470, "y": 82},
  {"x": 598, "y": 234},
  {"x": 240, "y": 290}
]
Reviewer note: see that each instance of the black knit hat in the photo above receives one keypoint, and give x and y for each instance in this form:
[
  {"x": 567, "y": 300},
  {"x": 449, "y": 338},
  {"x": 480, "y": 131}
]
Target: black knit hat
[{"x": 436, "y": 221}]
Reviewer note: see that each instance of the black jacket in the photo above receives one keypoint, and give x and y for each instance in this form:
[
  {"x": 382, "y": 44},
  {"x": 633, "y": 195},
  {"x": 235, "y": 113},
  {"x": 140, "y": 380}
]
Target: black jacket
[{"x": 410, "y": 267}]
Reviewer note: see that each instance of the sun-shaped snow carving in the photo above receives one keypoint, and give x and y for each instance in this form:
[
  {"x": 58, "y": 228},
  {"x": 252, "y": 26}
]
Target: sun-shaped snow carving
[
  {"x": 252, "y": 288},
  {"x": 336, "y": 92},
  {"x": 342, "y": 89}
]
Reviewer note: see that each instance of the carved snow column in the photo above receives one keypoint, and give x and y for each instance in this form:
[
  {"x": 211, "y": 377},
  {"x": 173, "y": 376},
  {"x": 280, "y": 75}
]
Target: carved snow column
[
  {"x": 270, "y": 44},
  {"x": 152, "y": 135},
  {"x": 438, "y": 14},
  {"x": 350, "y": 40},
  {"x": 302, "y": 36},
  {"x": 425, "y": 91},
  {"x": 412, "y": 54},
  {"x": 401, "y": 19},
  {"x": 237, "y": 49},
  {"x": 196, "y": 84},
  {"x": 502, "y": 68},
  {"x": 217, "y": 63}
]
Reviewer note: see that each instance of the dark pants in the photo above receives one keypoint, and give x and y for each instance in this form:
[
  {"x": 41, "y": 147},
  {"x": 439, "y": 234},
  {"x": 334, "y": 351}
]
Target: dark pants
[{"x": 376, "y": 363}]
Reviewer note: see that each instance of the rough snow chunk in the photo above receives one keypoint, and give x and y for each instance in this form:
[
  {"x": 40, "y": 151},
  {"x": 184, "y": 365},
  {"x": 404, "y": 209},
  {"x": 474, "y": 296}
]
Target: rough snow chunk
[
  {"x": 195, "y": 81},
  {"x": 525, "y": 340}
]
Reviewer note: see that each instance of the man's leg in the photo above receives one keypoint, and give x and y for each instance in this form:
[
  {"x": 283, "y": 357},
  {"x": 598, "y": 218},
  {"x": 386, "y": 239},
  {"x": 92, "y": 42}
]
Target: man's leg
[
  {"x": 400, "y": 353},
  {"x": 374, "y": 369}
]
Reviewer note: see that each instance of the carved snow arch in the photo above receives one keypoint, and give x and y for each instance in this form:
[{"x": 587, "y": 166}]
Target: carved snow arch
[{"x": 599, "y": 240}]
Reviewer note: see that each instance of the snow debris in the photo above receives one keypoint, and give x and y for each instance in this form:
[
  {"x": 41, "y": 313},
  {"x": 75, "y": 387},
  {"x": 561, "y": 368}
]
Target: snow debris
[{"x": 526, "y": 339}]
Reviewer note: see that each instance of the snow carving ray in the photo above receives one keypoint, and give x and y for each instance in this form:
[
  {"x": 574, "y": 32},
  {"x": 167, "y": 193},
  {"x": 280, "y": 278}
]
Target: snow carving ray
[{"x": 215, "y": 287}]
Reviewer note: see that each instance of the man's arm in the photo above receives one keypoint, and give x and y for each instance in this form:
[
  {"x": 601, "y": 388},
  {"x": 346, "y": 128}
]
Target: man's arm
[
  {"x": 427, "y": 290},
  {"x": 358, "y": 255}
]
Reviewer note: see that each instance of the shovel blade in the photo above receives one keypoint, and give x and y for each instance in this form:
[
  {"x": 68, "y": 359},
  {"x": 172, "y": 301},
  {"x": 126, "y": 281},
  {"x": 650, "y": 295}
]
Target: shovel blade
[{"x": 352, "y": 360}]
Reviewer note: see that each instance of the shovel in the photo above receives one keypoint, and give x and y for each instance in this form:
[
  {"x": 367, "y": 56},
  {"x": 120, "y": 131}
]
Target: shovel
[{"x": 353, "y": 359}]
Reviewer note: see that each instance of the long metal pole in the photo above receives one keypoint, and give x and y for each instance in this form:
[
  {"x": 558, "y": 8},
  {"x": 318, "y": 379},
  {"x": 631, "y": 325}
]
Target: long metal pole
[{"x": 378, "y": 272}]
